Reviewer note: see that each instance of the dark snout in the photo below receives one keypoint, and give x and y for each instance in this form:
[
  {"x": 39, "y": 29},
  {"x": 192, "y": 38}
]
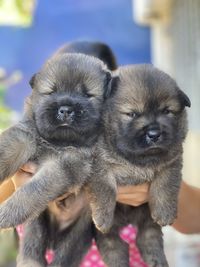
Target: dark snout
[
  {"x": 66, "y": 114},
  {"x": 153, "y": 134}
]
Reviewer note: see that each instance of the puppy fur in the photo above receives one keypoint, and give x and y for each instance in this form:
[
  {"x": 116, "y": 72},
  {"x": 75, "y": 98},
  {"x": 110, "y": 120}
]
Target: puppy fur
[
  {"x": 144, "y": 128},
  {"x": 61, "y": 124}
]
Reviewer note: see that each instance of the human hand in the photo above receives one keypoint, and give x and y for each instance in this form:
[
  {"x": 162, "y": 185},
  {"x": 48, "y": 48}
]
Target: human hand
[
  {"x": 134, "y": 195},
  {"x": 24, "y": 174}
]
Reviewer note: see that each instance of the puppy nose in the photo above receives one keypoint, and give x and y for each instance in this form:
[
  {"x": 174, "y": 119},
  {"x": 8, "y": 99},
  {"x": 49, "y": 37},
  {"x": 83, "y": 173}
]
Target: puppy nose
[
  {"x": 65, "y": 111},
  {"x": 154, "y": 134}
]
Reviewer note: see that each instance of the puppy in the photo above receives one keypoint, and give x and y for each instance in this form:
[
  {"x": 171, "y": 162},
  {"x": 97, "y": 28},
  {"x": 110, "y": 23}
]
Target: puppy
[
  {"x": 145, "y": 125},
  {"x": 144, "y": 128},
  {"x": 60, "y": 126}
]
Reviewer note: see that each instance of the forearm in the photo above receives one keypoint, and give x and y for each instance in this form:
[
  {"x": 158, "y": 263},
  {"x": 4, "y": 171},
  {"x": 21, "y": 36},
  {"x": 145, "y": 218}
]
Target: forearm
[
  {"x": 188, "y": 220},
  {"x": 6, "y": 190}
]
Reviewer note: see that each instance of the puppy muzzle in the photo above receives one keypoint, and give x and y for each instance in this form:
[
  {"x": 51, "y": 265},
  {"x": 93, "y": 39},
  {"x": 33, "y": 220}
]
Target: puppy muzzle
[{"x": 66, "y": 113}]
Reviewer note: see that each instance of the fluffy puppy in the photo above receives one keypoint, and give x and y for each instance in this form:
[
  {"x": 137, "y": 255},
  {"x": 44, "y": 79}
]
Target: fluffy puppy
[
  {"x": 145, "y": 126},
  {"x": 60, "y": 126}
]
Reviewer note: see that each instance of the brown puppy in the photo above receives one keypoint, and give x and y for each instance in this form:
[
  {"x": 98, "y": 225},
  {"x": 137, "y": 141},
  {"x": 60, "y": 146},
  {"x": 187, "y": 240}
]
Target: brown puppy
[
  {"x": 60, "y": 126},
  {"x": 145, "y": 125}
]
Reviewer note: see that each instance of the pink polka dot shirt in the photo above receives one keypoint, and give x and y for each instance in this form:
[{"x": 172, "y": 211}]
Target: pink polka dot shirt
[{"x": 93, "y": 257}]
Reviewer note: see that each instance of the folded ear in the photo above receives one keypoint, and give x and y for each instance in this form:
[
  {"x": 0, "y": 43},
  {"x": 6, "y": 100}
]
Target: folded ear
[
  {"x": 112, "y": 87},
  {"x": 184, "y": 99},
  {"x": 32, "y": 81}
]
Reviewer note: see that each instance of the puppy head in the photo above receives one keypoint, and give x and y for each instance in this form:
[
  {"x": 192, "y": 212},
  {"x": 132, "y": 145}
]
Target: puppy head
[
  {"x": 145, "y": 115},
  {"x": 67, "y": 97}
]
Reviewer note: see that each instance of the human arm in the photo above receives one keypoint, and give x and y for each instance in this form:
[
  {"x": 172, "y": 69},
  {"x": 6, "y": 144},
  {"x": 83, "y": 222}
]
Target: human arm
[
  {"x": 134, "y": 195},
  {"x": 24, "y": 174},
  {"x": 130, "y": 195},
  {"x": 8, "y": 187},
  {"x": 188, "y": 219}
]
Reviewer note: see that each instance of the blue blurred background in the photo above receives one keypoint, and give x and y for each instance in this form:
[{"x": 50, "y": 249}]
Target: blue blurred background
[
  {"x": 56, "y": 22},
  {"x": 28, "y": 36}
]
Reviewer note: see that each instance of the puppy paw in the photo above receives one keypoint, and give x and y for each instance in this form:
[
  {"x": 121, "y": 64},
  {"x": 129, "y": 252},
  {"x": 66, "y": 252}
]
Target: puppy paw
[
  {"x": 5, "y": 220},
  {"x": 163, "y": 218},
  {"x": 155, "y": 260},
  {"x": 8, "y": 219},
  {"x": 103, "y": 222},
  {"x": 103, "y": 214},
  {"x": 103, "y": 217}
]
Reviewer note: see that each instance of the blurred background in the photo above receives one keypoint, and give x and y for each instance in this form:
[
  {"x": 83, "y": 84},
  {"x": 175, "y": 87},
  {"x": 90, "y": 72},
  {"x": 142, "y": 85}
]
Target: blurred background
[{"x": 162, "y": 32}]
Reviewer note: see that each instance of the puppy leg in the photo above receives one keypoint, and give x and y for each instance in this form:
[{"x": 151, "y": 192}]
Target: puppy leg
[
  {"x": 114, "y": 251},
  {"x": 34, "y": 244},
  {"x": 150, "y": 242},
  {"x": 164, "y": 195},
  {"x": 16, "y": 147},
  {"x": 56, "y": 177},
  {"x": 102, "y": 192},
  {"x": 72, "y": 244}
]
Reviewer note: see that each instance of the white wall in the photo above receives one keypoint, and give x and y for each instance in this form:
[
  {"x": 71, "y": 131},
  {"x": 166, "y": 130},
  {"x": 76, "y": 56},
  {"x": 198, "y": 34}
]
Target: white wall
[{"x": 175, "y": 42}]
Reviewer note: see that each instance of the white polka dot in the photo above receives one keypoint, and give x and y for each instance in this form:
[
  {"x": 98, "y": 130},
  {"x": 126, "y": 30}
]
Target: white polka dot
[
  {"x": 94, "y": 257},
  {"x": 126, "y": 231},
  {"x": 87, "y": 264},
  {"x": 94, "y": 247}
]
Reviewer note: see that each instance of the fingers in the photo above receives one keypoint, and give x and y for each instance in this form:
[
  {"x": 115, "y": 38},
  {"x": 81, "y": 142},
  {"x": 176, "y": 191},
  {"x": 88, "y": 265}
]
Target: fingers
[
  {"x": 29, "y": 167},
  {"x": 133, "y": 195},
  {"x": 133, "y": 200},
  {"x": 20, "y": 178},
  {"x": 131, "y": 189},
  {"x": 6, "y": 190},
  {"x": 23, "y": 175}
]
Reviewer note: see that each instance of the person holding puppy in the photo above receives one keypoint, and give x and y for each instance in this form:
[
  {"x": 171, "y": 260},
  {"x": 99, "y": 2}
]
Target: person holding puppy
[
  {"x": 130, "y": 195},
  {"x": 133, "y": 195}
]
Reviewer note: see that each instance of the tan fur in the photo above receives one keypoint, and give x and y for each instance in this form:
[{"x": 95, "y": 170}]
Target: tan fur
[{"x": 145, "y": 126}]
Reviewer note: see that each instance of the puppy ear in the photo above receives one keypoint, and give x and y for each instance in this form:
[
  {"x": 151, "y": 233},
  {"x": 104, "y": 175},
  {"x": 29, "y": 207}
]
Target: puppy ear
[
  {"x": 185, "y": 101},
  {"x": 112, "y": 87},
  {"x": 32, "y": 81}
]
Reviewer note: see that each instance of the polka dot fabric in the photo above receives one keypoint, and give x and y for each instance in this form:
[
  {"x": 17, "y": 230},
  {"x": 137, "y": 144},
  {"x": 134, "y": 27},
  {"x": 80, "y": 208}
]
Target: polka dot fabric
[
  {"x": 128, "y": 234},
  {"x": 93, "y": 258}
]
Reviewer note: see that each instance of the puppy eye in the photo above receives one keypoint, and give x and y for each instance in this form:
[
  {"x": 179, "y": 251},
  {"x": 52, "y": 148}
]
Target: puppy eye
[
  {"x": 86, "y": 94},
  {"x": 47, "y": 93},
  {"x": 167, "y": 111},
  {"x": 49, "y": 90},
  {"x": 133, "y": 114}
]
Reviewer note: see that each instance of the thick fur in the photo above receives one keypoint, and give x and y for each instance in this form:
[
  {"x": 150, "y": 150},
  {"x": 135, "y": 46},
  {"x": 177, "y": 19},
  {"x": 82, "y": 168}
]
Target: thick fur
[
  {"x": 145, "y": 126},
  {"x": 61, "y": 124}
]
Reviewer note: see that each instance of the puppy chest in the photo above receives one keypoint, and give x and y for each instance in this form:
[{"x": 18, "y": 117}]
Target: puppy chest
[
  {"x": 47, "y": 151},
  {"x": 132, "y": 175}
]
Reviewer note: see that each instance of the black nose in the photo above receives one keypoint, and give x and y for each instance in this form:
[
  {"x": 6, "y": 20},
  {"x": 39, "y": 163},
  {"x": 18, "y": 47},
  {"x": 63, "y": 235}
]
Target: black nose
[
  {"x": 153, "y": 134},
  {"x": 65, "y": 111}
]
